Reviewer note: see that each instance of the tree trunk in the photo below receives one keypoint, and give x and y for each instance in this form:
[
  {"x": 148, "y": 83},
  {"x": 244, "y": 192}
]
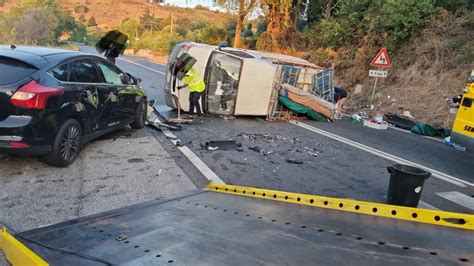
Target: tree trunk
[
  {"x": 328, "y": 9},
  {"x": 238, "y": 31},
  {"x": 240, "y": 22}
]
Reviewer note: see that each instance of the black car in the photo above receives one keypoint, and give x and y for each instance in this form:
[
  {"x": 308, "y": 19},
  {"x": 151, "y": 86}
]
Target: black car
[{"x": 53, "y": 101}]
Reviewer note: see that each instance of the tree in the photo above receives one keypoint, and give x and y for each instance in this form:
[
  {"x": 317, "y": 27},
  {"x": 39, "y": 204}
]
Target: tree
[
  {"x": 35, "y": 26},
  {"x": 279, "y": 20},
  {"x": 248, "y": 32},
  {"x": 129, "y": 27},
  {"x": 91, "y": 22},
  {"x": 261, "y": 27},
  {"x": 241, "y": 8},
  {"x": 315, "y": 10}
]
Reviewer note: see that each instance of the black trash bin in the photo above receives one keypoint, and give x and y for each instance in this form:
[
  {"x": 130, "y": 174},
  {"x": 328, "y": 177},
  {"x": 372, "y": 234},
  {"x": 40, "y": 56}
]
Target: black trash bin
[{"x": 406, "y": 184}]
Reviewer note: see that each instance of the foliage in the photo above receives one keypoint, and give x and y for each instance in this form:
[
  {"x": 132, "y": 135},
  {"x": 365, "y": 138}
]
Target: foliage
[
  {"x": 2, "y": 3},
  {"x": 241, "y": 8},
  {"x": 386, "y": 23},
  {"x": 149, "y": 22},
  {"x": 261, "y": 27},
  {"x": 91, "y": 22},
  {"x": 212, "y": 35},
  {"x": 248, "y": 33},
  {"x": 455, "y": 5},
  {"x": 229, "y": 29},
  {"x": 81, "y": 9},
  {"x": 200, "y": 7},
  {"x": 129, "y": 27},
  {"x": 182, "y": 31},
  {"x": 266, "y": 42},
  {"x": 39, "y": 22}
]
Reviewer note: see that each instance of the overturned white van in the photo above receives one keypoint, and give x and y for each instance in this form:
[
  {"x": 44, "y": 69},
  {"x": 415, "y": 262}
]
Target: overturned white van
[{"x": 247, "y": 82}]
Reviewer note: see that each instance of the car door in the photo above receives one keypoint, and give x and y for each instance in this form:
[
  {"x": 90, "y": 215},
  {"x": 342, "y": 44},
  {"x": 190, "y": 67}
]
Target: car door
[
  {"x": 84, "y": 81},
  {"x": 123, "y": 94}
]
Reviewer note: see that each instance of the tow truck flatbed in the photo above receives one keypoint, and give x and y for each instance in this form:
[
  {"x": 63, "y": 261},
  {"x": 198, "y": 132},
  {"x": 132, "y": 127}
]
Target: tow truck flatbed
[{"x": 245, "y": 226}]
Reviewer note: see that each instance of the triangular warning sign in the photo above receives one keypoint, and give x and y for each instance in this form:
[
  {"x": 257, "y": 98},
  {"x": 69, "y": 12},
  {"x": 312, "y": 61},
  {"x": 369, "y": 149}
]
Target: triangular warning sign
[{"x": 381, "y": 60}]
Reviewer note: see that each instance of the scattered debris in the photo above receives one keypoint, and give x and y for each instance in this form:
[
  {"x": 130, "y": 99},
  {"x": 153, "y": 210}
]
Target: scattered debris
[
  {"x": 255, "y": 148},
  {"x": 232, "y": 161},
  {"x": 429, "y": 130},
  {"x": 408, "y": 114},
  {"x": 458, "y": 147},
  {"x": 121, "y": 237},
  {"x": 399, "y": 121},
  {"x": 376, "y": 125},
  {"x": 136, "y": 160},
  {"x": 179, "y": 143},
  {"x": 221, "y": 145},
  {"x": 228, "y": 117},
  {"x": 294, "y": 161}
]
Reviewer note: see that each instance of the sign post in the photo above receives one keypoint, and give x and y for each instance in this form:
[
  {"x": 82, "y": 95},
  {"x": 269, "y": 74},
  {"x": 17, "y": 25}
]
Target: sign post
[{"x": 381, "y": 60}]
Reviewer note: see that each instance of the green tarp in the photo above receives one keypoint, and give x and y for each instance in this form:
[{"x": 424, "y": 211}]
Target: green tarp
[
  {"x": 429, "y": 130},
  {"x": 301, "y": 109}
]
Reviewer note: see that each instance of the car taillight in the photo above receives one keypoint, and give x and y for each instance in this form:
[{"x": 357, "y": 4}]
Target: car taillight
[
  {"x": 33, "y": 96},
  {"x": 18, "y": 144}
]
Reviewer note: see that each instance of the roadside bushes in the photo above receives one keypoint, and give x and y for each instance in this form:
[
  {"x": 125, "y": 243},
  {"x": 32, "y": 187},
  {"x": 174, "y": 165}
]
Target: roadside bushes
[{"x": 389, "y": 22}]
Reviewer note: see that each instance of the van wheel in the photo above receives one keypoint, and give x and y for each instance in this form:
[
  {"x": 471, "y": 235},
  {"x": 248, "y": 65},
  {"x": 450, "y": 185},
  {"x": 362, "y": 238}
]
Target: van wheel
[
  {"x": 67, "y": 144},
  {"x": 139, "y": 117}
]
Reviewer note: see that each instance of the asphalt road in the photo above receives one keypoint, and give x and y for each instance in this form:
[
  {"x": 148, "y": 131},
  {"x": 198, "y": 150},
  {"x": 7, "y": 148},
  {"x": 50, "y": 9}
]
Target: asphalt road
[
  {"x": 128, "y": 166},
  {"x": 329, "y": 167}
]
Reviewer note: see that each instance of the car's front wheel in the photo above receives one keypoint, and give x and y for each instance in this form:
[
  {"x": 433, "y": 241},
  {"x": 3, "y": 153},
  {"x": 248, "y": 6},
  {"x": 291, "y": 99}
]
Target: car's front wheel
[
  {"x": 139, "y": 117},
  {"x": 67, "y": 144}
]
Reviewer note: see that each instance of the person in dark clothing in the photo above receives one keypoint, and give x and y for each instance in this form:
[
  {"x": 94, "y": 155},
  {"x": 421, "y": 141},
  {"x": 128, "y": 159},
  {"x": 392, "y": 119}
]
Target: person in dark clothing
[{"x": 339, "y": 94}]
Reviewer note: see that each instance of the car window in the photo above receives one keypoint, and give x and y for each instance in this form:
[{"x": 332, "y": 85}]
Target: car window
[
  {"x": 60, "y": 72},
  {"x": 84, "y": 71},
  {"x": 13, "y": 70},
  {"x": 467, "y": 102},
  {"x": 111, "y": 73}
]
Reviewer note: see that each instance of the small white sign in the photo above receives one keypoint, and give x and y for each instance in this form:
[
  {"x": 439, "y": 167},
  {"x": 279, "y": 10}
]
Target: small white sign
[{"x": 378, "y": 73}]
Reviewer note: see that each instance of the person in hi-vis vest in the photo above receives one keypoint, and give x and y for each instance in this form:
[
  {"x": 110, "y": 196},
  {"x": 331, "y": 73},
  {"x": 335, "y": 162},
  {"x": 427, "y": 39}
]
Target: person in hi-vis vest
[{"x": 196, "y": 88}]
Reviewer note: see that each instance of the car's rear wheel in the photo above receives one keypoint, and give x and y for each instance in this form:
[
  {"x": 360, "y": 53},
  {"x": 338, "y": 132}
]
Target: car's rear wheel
[
  {"x": 67, "y": 144},
  {"x": 140, "y": 115}
]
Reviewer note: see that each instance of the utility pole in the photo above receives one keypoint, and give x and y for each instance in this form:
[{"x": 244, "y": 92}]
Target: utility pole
[{"x": 172, "y": 19}]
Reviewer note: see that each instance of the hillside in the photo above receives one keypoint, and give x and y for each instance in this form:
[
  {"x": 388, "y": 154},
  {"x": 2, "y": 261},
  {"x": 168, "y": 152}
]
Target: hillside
[
  {"x": 110, "y": 13},
  {"x": 425, "y": 72}
]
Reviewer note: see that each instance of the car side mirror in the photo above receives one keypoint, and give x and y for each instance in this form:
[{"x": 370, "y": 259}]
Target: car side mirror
[{"x": 134, "y": 80}]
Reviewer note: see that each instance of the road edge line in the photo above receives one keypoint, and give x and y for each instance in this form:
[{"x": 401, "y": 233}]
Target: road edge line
[
  {"x": 140, "y": 65},
  {"x": 442, "y": 176}
]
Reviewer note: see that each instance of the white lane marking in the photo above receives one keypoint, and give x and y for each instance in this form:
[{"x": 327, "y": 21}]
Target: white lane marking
[
  {"x": 437, "y": 174},
  {"x": 458, "y": 198},
  {"x": 406, "y": 131},
  {"x": 425, "y": 205},
  {"x": 140, "y": 65},
  {"x": 196, "y": 161}
]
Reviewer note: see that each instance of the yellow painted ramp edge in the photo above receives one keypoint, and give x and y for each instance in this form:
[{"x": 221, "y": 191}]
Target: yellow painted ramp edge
[
  {"x": 442, "y": 218},
  {"x": 17, "y": 253}
]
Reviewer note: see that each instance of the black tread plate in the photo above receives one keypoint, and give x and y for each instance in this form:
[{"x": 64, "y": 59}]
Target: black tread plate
[{"x": 207, "y": 228}]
